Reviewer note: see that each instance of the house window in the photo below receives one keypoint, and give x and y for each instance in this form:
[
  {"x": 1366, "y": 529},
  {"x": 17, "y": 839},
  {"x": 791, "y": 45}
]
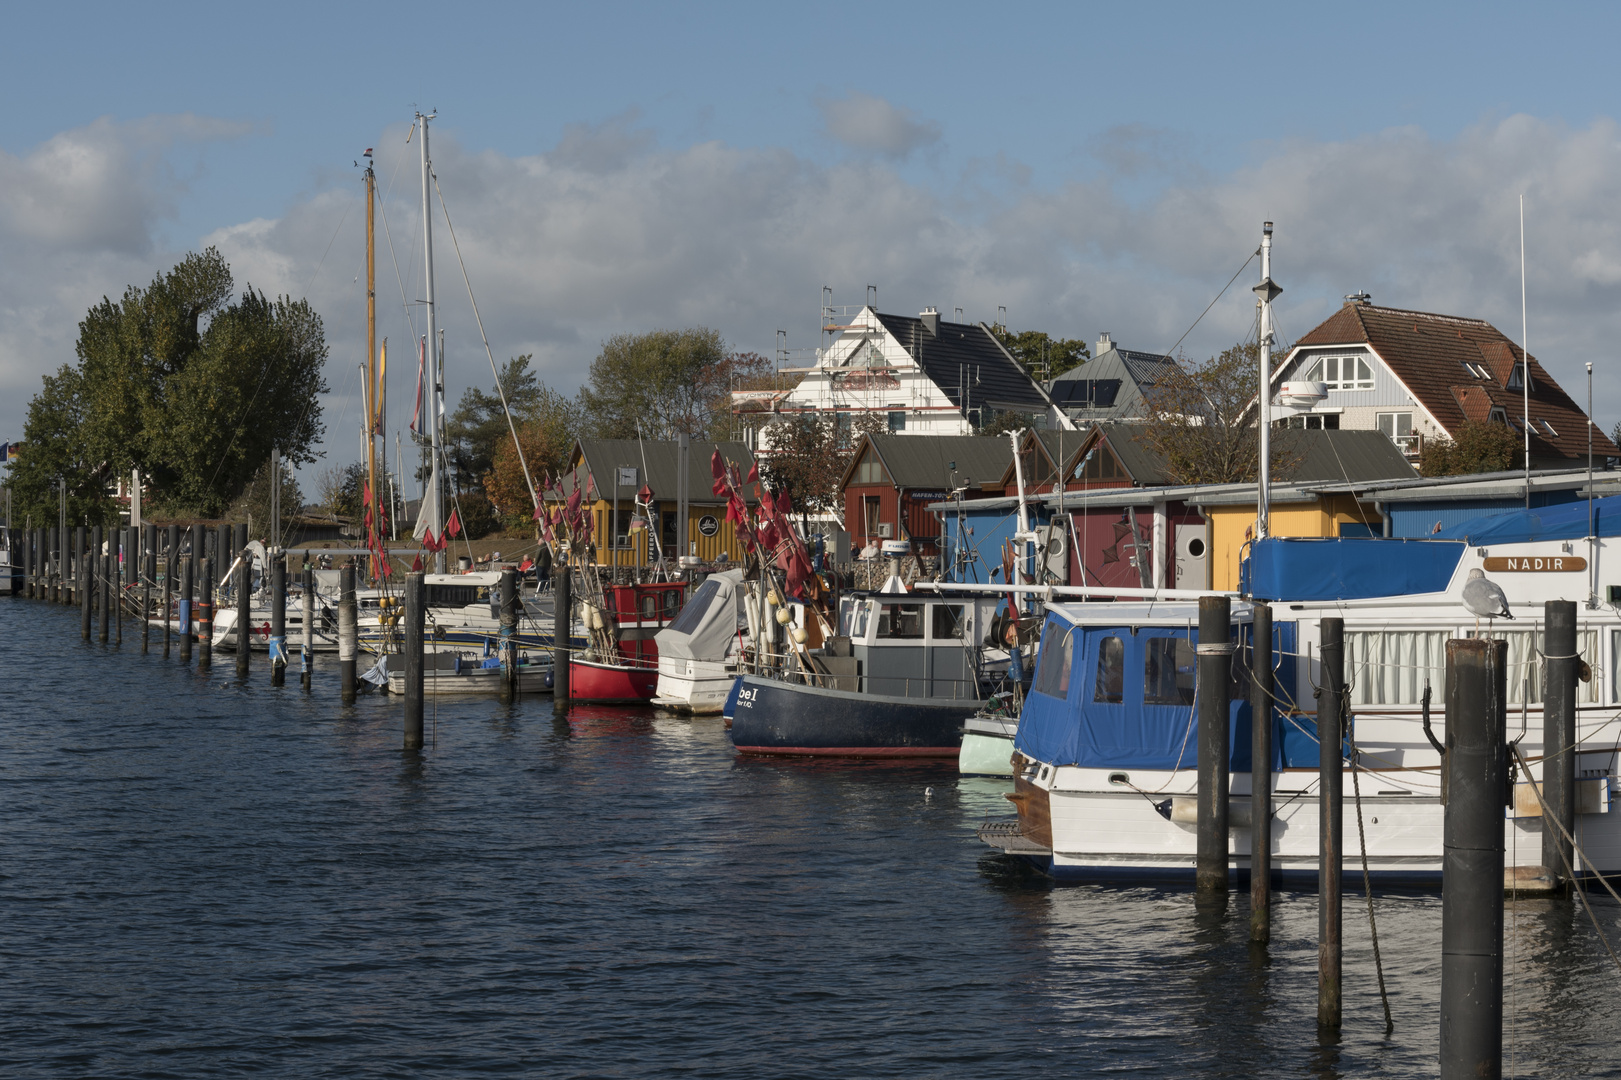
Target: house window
[
  {"x": 841, "y": 421},
  {"x": 1516, "y": 377},
  {"x": 869, "y": 515},
  {"x": 1311, "y": 422},
  {"x": 1395, "y": 424},
  {"x": 1103, "y": 466},
  {"x": 1498, "y": 416},
  {"x": 1343, "y": 373},
  {"x": 897, "y": 421},
  {"x": 1547, "y": 427},
  {"x": 870, "y": 471}
]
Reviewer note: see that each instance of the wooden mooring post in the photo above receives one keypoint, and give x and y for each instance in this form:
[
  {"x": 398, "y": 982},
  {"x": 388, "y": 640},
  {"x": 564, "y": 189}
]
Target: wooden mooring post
[
  {"x": 1214, "y": 655},
  {"x": 278, "y": 618},
  {"x": 244, "y": 616},
  {"x": 171, "y": 567},
  {"x": 83, "y": 579},
  {"x": 1261, "y": 776},
  {"x": 347, "y": 632},
  {"x": 122, "y": 565},
  {"x": 1559, "y": 735},
  {"x": 308, "y": 628},
  {"x": 509, "y": 632},
  {"x": 78, "y": 565},
  {"x": 1331, "y": 823},
  {"x": 98, "y": 558},
  {"x": 188, "y": 575},
  {"x": 1472, "y": 860},
  {"x": 149, "y": 574},
  {"x": 415, "y": 619},
  {"x": 205, "y": 612},
  {"x": 562, "y": 632}
]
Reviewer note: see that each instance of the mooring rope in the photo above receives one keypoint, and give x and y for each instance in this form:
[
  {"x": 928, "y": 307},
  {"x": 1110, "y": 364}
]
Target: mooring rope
[{"x": 1367, "y": 880}]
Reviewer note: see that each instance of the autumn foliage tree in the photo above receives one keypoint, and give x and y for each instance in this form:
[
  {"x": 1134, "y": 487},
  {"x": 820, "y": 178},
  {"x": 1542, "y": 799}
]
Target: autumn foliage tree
[
  {"x": 806, "y": 455},
  {"x": 547, "y": 432},
  {"x": 665, "y": 383},
  {"x": 1477, "y": 446}
]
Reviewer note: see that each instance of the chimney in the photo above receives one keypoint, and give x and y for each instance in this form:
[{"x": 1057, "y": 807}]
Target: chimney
[
  {"x": 1104, "y": 345},
  {"x": 1358, "y": 297},
  {"x": 931, "y": 321}
]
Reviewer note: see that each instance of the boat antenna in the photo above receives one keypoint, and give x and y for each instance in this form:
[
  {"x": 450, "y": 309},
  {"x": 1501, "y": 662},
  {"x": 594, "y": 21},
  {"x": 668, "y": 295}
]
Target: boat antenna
[
  {"x": 1592, "y": 590},
  {"x": 1525, "y": 358},
  {"x": 1266, "y": 292}
]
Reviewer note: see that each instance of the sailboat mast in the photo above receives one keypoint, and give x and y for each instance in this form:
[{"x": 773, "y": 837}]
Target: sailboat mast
[
  {"x": 1266, "y": 292},
  {"x": 436, "y": 381},
  {"x": 372, "y": 408}
]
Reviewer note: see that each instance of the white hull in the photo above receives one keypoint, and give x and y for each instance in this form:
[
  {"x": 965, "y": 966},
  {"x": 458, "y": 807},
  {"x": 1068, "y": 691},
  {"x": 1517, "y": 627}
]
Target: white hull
[{"x": 699, "y": 687}]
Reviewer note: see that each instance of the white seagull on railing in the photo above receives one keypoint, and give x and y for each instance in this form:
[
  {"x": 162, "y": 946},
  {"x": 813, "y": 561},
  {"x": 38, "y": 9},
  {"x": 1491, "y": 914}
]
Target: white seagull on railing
[{"x": 1483, "y": 597}]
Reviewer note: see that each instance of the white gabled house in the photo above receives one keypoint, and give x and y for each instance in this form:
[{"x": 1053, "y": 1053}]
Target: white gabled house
[{"x": 922, "y": 375}]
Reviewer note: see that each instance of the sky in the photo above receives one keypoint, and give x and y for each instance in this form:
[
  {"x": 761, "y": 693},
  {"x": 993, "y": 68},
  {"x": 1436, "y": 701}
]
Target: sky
[{"x": 618, "y": 168}]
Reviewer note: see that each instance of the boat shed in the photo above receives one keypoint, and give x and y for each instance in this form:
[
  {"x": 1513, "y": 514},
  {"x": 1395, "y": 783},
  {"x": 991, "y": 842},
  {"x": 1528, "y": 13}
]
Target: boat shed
[
  {"x": 613, "y": 471},
  {"x": 1425, "y": 507},
  {"x": 892, "y": 479}
]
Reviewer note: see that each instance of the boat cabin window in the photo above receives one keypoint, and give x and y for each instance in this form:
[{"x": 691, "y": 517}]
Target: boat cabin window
[
  {"x": 1111, "y": 671},
  {"x": 900, "y": 621},
  {"x": 1052, "y": 673},
  {"x": 1168, "y": 670},
  {"x": 693, "y": 613},
  {"x": 456, "y": 595},
  {"x": 948, "y": 621}
]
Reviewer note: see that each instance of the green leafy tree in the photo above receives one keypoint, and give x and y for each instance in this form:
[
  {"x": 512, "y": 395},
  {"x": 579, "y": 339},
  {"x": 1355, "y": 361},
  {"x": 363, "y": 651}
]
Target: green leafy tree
[
  {"x": 547, "y": 434},
  {"x": 665, "y": 383},
  {"x": 254, "y": 504},
  {"x": 479, "y": 424},
  {"x": 184, "y": 384},
  {"x": 342, "y": 491},
  {"x": 1477, "y": 446},
  {"x": 1043, "y": 356}
]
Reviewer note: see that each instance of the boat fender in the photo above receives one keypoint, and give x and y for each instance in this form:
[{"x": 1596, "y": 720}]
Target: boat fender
[
  {"x": 799, "y": 635},
  {"x": 784, "y": 616}
]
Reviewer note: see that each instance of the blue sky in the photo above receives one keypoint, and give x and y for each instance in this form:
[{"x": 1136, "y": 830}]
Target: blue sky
[{"x": 619, "y": 167}]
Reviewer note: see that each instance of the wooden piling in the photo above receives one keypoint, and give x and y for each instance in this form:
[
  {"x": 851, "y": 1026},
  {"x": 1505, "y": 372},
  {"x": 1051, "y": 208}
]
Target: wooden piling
[
  {"x": 1214, "y": 659},
  {"x": 308, "y": 628},
  {"x": 1559, "y": 734},
  {"x": 415, "y": 595},
  {"x": 149, "y": 573},
  {"x": 28, "y": 549},
  {"x": 509, "y": 631},
  {"x": 244, "y": 616},
  {"x": 78, "y": 564},
  {"x": 562, "y": 631},
  {"x": 53, "y": 560},
  {"x": 171, "y": 567},
  {"x": 278, "y": 619},
  {"x": 83, "y": 578},
  {"x": 205, "y": 612},
  {"x": 188, "y": 582},
  {"x": 1261, "y": 776},
  {"x": 1331, "y": 822},
  {"x": 1472, "y": 861},
  {"x": 121, "y": 568},
  {"x": 348, "y": 632},
  {"x": 98, "y": 587}
]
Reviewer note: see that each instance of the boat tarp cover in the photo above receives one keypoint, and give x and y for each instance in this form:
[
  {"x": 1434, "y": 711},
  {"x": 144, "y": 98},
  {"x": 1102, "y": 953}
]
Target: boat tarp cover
[
  {"x": 707, "y": 624},
  {"x": 1568, "y": 521},
  {"x": 1127, "y": 736},
  {"x": 1348, "y": 568}
]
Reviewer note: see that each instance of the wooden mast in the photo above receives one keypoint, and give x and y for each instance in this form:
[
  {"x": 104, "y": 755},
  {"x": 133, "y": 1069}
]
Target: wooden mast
[{"x": 372, "y": 389}]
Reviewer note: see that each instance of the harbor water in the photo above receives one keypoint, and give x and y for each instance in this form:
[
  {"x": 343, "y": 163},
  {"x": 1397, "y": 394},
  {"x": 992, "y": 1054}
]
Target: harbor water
[{"x": 203, "y": 877}]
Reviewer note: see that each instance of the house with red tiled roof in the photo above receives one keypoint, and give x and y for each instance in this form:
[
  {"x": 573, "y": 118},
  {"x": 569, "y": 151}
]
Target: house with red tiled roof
[{"x": 1416, "y": 376}]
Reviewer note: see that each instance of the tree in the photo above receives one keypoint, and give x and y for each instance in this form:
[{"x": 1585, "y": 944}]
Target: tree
[
  {"x": 665, "y": 383},
  {"x": 254, "y": 504},
  {"x": 1478, "y": 446},
  {"x": 343, "y": 491},
  {"x": 547, "y": 436},
  {"x": 1042, "y": 356},
  {"x": 1201, "y": 421},
  {"x": 479, "y": 423},
  {"x": 806, "y": 455},
  {"x": 182, "y": 383}
]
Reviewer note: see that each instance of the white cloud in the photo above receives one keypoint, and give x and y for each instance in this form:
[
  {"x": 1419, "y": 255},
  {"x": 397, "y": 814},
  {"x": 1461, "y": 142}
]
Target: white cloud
[
  {"x": 609, "y": 232},
  {"x": 873, "y": 125}
]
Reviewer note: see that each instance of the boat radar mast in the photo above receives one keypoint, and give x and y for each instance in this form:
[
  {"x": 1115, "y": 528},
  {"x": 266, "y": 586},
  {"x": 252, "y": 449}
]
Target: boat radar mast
[{"x": 1267, "y": 291}]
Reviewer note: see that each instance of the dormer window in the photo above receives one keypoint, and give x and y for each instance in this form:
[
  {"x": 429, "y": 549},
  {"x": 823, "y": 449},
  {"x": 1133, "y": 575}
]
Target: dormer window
[
  {"x": 1516, "y": 377},
  {"x": 1342, "y": 373},
  {"x": 1498, "y": 416}
]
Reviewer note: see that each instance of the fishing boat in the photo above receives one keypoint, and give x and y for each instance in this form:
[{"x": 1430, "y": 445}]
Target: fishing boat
[
  {"x": 898, "y": 679},
  {"x": 698, "y": 653},
  {"x": 445, "y": 673},
  {"x": 620, "y": 665},
  {"x": 1106, "y": 771}
]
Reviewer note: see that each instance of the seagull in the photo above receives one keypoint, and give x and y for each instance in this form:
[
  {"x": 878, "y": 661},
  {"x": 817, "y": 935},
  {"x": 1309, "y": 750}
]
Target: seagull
[{"x": 1481, "y": 596}]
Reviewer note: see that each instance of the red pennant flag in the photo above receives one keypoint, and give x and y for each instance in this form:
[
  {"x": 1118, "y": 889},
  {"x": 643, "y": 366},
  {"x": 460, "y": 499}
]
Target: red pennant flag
[
  {"x": 783, "y": 504},
  {"x": 416, "y": 564},
  {"x": 453, "y": 527},
  {"x": 754, "y": 473},
  {"x": 717, "y": 466}
]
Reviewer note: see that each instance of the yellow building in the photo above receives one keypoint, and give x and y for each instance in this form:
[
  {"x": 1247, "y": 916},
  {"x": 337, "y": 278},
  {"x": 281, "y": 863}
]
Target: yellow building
[
  {"x": 1232, "y": 526},
  {"x": 616, "y": 474}
]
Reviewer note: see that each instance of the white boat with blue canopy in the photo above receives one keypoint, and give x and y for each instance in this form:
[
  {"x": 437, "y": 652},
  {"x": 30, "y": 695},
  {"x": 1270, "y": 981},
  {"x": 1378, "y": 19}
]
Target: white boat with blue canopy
[{"x": 1106, "y": 752}]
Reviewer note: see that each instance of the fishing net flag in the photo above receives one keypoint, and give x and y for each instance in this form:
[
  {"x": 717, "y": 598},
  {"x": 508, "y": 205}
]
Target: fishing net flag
[
  {"x": 453, "y": 527},
  {"x": 416, "y": 564}
]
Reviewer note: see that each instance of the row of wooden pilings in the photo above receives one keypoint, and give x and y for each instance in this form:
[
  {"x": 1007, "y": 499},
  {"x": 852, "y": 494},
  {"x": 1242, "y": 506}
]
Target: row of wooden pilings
[
  {"x": 1475, "y": 787},
  {"x": 109, "y": 576}
]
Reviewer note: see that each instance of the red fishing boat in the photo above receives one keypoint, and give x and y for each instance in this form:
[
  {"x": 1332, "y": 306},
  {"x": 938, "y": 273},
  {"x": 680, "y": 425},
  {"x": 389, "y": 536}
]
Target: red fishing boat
[{"x": 631, "y": 616}]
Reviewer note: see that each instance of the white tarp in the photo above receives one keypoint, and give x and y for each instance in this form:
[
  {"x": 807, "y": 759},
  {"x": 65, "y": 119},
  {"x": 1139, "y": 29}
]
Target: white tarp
[{"x": 707, "y": 626}]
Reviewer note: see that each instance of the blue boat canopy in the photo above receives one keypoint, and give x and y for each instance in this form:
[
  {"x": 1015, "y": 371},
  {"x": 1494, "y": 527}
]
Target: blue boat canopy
[
  {"x": 1348, "y": 568},
  {"x": 1568, "y": 521}
]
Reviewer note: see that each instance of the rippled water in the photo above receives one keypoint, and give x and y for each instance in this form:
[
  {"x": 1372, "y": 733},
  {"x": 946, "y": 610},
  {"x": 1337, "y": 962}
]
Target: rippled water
[{"x": 200, "y": 877}]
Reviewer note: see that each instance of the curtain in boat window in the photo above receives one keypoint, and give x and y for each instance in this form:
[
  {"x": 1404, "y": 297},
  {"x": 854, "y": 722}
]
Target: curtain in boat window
[{"x": 1392, "y": 667}]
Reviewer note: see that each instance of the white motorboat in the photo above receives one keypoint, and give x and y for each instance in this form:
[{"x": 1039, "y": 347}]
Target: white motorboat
[
  {"x": 1106, "y": 745},
  {"x": 698, "y": 652}
]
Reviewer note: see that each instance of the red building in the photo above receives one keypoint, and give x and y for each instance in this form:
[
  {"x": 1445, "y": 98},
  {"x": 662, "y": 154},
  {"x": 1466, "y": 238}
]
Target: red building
[{"x": 891, "y": 480}]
